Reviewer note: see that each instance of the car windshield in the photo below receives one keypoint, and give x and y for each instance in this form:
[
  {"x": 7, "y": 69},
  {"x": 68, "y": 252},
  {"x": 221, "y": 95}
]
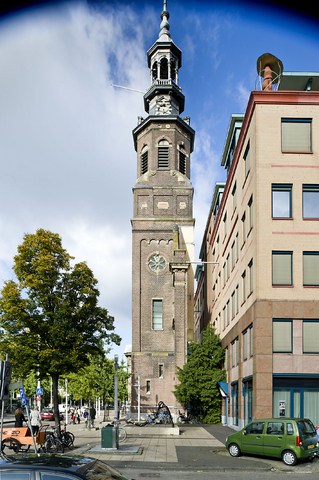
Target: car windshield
[{"x": 98, "y": 470}]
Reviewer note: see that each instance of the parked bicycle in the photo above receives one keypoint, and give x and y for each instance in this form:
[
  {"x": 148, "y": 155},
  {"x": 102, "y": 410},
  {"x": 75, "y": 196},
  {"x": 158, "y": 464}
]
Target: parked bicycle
[
  {"x": 52, "y": 443},
  {"x": 122, "y": 433},
  {"x": 184, "y": 418},
  {"x": 67, "y": 437}
]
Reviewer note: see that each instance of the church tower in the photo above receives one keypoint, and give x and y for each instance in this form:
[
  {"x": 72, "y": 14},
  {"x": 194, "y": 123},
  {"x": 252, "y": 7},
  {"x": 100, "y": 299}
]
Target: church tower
[{"x": 162, "y": 232}]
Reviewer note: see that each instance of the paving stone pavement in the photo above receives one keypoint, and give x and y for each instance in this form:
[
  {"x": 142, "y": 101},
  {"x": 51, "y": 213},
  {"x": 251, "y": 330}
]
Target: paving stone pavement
[{"x": 141, "y": 447}]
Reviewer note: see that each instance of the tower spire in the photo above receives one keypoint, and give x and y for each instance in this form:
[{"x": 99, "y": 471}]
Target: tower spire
[
  {"x": 164, "y": 34},
  {"x": 164, "y": 97}
]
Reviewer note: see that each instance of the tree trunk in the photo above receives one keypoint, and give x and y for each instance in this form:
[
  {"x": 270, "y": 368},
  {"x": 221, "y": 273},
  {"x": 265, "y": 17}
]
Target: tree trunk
[{"x": 55, "y": 395}]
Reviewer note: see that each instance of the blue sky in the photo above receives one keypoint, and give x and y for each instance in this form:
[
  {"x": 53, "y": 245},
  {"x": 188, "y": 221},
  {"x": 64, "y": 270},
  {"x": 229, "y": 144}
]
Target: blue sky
[{"x": 67, "y": 157}]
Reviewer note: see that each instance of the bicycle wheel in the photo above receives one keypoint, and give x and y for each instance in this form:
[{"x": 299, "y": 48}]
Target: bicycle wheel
[
  {"x": 11, "y": 444},
  {"x": 53, "y": 445},
  {"x": 67, "y": 439},
  {"x": 122, "y": 434}
]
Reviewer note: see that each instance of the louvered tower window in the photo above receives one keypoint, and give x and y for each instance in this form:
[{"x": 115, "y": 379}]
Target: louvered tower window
[
  {"x": 182, "y": 162},
  {"x": 163, "y": 157},
  {"x": 144, "y": 160}
]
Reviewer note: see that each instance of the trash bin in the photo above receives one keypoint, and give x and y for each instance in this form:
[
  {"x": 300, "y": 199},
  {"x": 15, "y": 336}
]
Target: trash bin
[{"x": 109, "y": 437}]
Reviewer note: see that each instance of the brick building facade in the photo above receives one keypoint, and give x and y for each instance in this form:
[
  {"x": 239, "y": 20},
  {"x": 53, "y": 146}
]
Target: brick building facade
[{"x": 162, "y": 233}]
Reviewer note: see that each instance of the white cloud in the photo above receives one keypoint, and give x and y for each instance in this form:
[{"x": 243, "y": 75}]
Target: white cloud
[
  {"x": 204, "y": 163},
  {"x": 68, "y": 160}
]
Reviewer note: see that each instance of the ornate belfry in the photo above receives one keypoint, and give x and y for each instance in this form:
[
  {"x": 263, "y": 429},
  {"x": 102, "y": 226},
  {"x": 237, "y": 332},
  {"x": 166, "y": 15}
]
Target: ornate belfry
[{"x": 162, "y": 233}]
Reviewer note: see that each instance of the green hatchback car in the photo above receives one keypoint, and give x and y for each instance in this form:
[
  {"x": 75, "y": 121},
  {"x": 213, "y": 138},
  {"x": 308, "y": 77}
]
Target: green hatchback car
[{"x": 290, "y": 439}]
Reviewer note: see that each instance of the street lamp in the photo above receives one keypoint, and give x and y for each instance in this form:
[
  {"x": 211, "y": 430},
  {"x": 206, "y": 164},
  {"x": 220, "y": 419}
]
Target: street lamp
[{"x": 116, "y": 388}]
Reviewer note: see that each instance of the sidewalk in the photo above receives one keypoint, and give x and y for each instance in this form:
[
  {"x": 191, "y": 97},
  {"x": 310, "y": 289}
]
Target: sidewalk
[{"x": 142, "y": 447}]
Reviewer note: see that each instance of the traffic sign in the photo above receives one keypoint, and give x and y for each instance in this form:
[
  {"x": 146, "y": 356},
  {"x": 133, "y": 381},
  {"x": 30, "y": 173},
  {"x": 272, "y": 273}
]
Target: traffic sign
[{"x": 39, "y": 391}]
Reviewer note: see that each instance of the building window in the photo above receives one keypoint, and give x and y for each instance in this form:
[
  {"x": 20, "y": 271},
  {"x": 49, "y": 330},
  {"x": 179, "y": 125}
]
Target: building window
[
  {"x": 163, "y": 155},
  {"x": 233, "y": 255},
  {"x": 243, "y": 282},
  {"x": 251, "y": 276},
  {"x": 228, "y": 312},
  {"x": 237, "y": 247},
  {"x": 164, "y": 68},
  {"x": 233, "y": 305},
  {"x": 311, "y": 269},
  {"x": 281, "y": 200},
  {"x": 310, "y": 201},
  {"x": 182, "y": 162},
  {"x": 237, "y": 298},
  {"x": 160, "y": 370},
  {"x": 251, "y": 213},
  {"x": 310, "y": 335},
  {"x": 225, "y": 225},
  {"x": 281, "y": 336},
  {"x": 234, "y": 194},
  {"x": 148, "y": 387},
  {"x": 243, "y": 224},
  {"x": 296, "y": 135},
  {"x": 251, "y": 340},
  {"x": 247, "y": 159},
  {"x": 157, "y": 315},
  {"x": 144, "y": 160},
  {"x": 234, "y": 352},
  {"x": 245, "y": 345},
  {"x": 281, "y": 268}
]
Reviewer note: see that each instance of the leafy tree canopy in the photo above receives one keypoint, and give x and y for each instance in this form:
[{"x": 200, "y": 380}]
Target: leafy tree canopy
[
  {"x": 96, "y": 380},
  {"x": 50, "y": 317},
  {"x": 198, "y": 387}
]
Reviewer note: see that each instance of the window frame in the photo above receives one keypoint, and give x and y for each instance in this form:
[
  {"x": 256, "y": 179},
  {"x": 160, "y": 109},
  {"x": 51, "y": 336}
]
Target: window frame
[
  {"x": 310, "y": 254},
  {"x": 287, "y": 322},
  {"x": 310, "y": 350},
  {"x": 155, "y": 328},
  {"x": 309, "y": 188},
  {"x": 246, "y": 158},
  {"x": 281, "y": 187},
  {"x": 285, "y": 135},
  {"x": 163, "y": 155},
  {"x": 144, "y": 160},
  {"x": 278, "y": 253}
]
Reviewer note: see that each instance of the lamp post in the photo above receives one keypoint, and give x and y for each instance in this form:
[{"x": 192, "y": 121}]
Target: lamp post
[
  {"x": 116, "y": 388},
  {"x": 66, "y": 402}
]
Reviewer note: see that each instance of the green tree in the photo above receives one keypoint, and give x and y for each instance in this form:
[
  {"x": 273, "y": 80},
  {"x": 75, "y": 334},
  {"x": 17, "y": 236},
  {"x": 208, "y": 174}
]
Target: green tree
[
  {"x": 96, "y": 380},
  {"x": 198, "y": 387},
  {"x": 50, "y": 317}
]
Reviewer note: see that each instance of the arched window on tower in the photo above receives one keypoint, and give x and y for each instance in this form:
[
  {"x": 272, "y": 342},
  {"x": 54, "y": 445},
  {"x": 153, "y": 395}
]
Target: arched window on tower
[
  {"x": 144, "y": 160},
  {"x": 173, "y": 71},
  {"x": 154, "y": 71},
  {"x": 164, "y": 69},
  {"x": 182, "y": 159},
  {"x": 163, "y": 155}
]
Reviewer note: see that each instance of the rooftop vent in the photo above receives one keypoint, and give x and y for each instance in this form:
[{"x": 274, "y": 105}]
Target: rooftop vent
[{"x": 269, "y": 69}]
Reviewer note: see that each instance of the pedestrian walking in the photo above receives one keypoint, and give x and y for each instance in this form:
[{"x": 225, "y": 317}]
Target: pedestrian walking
[
  {"x": 92, "y": 416},
  {"x": 19, "y": 417},
  {"x": 86, "y": 416},
  {"x": 35, "y": 420}
]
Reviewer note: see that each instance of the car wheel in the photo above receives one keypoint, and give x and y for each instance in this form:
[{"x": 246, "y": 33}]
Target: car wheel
[
  {"x": 234, "y": 450},
  {"x": 289, "y": 458}
]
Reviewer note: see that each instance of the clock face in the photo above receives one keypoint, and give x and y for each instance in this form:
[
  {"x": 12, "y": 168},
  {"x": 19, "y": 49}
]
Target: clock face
[{"x": 157, "y": 263}]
